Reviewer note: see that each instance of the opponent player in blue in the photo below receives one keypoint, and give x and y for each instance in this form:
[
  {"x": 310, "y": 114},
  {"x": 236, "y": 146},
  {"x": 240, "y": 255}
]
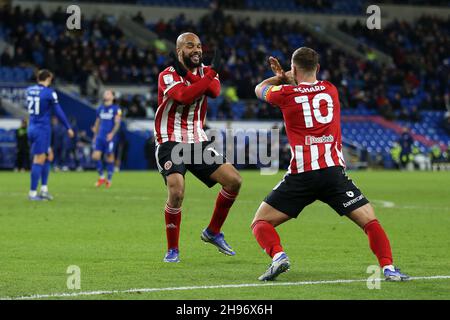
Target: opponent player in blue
[
  {"x": 42, "y": 103},
  {"x": 106, "y": 126}
]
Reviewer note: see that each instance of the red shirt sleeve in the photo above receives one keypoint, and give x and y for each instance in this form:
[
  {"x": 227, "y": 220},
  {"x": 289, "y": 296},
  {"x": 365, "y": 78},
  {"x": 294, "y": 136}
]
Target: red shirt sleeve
[
  {"x": 172, "y": 85},
  {"x": 213, "y": 90},
  {"x": 168, "y": 79},
  {"x": 275, "y": 95}
]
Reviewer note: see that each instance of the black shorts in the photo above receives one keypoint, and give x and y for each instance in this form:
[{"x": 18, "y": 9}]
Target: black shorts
[
  {"x": 201, "y": 159},
  {"x": 329, "y": 185}
]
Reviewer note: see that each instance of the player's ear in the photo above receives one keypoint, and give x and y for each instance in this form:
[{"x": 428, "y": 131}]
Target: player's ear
[
  {"x": 318, "y": 68},
  {"x": 179, "y": 53}
]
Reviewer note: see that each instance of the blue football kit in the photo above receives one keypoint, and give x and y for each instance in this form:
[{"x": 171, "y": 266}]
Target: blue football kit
[
  {"x": 42, "y": 103},
  {"x": 106, "y": 115}
]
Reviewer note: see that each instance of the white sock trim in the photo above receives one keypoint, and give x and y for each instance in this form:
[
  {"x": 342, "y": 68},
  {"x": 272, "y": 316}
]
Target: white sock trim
[
  {"x": 44, "y": 189},
  {"x": 277, "y": 255},
  {"x": 390, "y": 267}
]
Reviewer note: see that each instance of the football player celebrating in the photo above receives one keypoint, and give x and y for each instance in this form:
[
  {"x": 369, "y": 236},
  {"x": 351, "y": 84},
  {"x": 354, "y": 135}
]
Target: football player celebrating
[
  {"x": 107, "y": 124},
  {"x": 311, "y": 112},
  {"x": 42, "y": 102},
  {"x": 182, "y": 102}
]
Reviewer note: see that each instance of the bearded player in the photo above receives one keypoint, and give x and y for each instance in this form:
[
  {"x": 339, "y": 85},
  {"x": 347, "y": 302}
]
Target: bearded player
[
  {"x": 311, "y": 112},
  {"x": 182, "y": 102}
]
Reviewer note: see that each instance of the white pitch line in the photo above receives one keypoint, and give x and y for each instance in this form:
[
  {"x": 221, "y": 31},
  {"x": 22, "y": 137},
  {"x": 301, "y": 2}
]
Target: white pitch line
[{"x": 224, "y": 286}]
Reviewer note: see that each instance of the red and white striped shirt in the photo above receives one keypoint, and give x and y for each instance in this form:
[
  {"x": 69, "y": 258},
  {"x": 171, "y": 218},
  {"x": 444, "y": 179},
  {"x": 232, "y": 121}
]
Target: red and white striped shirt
[
  {"x": 311, "y": 113},
  {"x": 175, "y": 121}
]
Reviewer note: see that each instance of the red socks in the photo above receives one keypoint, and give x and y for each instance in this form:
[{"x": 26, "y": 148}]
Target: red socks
[
  {"x": 173, "y": 221},
  {"x": 379, "y": 242},
  {"x": 267, "y": 237},
  {"x": 269, "y": 240},
  {"x": 225, "y": 200}
]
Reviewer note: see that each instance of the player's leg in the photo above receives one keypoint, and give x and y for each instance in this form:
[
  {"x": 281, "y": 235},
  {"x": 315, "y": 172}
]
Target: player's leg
[
  {"x": 109, "y": 163},
  {"x": 45, "y": 174},
  {"x": 213, "y": 169},
  {"x": 36, "y": 173},
  {"x": 97, "y": 157},
  {"x": 263, "y": 228},
  {"x": 365, "y": 218},
  {"x": 285, "y": 201},
  {"x": 172, "y": 215},
  {"x": 173, "y": 175},
  {"x": 39, "y": 146},
  {"x": 230, "y": 180},
  {"x": 346, "y": 199}
]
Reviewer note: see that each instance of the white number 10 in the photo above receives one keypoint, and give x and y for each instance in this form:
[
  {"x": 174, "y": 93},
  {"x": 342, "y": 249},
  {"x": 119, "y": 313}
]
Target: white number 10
[{"x": 308, "y": 113}]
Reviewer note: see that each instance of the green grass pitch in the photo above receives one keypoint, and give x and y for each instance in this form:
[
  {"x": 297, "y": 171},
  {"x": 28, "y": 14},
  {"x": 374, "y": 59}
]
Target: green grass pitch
[{"x": 117, "y": 239}]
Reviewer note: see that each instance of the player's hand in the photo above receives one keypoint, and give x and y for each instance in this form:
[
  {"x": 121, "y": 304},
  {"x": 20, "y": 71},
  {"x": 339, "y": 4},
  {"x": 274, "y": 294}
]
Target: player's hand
[
  {"x": 178, "y": 66},
  {"x": 290, "y": 77},
  {"x": 276, "y": 67},
  {"x": 109, "y": 137},
  {"x": 216, "y": 63},
  {"x": 70, "y": 133}
]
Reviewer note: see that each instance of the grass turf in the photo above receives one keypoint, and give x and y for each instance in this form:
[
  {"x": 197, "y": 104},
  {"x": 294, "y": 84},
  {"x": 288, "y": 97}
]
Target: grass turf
[{"x": 117, "y": 239}]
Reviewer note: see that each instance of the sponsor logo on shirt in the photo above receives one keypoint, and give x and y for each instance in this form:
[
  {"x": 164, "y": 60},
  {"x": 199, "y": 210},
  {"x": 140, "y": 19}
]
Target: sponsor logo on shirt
[
  {"x": 107, "y": 115},
  {"x": 309, "y": 140}
]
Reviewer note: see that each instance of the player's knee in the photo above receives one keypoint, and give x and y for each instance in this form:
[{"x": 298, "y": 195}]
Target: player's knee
[
  {"x": 363, "y": 215},
  {"x": 234, "y": 184},
  {"x": 176, "y": 196}
]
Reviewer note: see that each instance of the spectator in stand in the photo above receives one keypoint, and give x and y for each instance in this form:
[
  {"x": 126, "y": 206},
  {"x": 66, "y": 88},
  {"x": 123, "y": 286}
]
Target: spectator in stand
[
  {"x": 446, "y": 122},
  {"x": 149, "y": 151},
  {"x": 406, "y": 142},
  {"x": 414, "y": 115},
  {"x": 436, "y": 155},
  {"x": 70, "y": 156},
  {"x": 384, "y": 107},
  {"x": 6, "y": 59},
  {"x": 94, "y": 86},
  {"x": 396, "y": 102},
  {"x": 396, "y": 151},
  {"x": 23, "y": 149},
  {"x": 139, "y": 18},
  {"x": 121, "y": 151},
  {"x": 57, "y": 143}
]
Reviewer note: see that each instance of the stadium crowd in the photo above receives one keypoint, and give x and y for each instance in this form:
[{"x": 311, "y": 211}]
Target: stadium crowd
[
  {"x": 100, "y": 54},
  {"x": 420, "y": 53}
]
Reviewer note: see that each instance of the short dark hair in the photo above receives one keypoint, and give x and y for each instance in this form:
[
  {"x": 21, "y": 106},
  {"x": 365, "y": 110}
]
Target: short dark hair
[
  {"x": 306, "y": 58},
  {"x": 44, "y": 74}
]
